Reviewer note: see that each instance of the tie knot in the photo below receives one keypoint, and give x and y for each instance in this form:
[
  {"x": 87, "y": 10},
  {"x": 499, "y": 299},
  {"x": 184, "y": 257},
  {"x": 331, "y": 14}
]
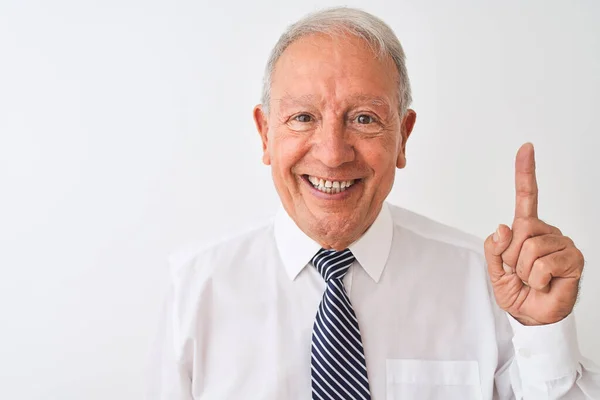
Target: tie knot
[{"x": 333, "y": 264}]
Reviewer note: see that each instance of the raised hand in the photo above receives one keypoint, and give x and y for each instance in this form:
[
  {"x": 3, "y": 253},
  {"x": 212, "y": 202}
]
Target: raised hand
[{"x": 534, "y": 269}]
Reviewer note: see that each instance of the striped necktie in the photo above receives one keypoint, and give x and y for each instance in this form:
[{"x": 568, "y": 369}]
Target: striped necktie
[{"x": 338, "y": 367}]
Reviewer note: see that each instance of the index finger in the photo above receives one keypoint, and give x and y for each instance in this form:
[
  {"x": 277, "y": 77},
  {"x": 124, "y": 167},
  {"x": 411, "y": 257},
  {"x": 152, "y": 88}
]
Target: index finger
[{"x": 526, "y": 188}]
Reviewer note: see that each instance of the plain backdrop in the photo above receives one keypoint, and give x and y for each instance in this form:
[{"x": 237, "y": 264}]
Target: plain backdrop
[{"x": 126, "y": 135}]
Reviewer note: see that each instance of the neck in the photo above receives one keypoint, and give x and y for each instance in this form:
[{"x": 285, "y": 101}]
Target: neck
[{"x": 342, "y": 240}]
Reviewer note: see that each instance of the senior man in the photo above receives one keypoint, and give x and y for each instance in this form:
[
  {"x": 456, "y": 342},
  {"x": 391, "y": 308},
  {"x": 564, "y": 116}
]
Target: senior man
[{"x": 343, "y": 296}]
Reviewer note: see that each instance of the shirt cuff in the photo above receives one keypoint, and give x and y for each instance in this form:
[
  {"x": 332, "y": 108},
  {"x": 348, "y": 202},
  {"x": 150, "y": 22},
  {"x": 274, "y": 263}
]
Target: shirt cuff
[{"x": 546, "y": 352}]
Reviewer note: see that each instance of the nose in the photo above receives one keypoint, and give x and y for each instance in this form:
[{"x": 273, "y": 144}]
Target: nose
[{"x": 332, "y": 145}]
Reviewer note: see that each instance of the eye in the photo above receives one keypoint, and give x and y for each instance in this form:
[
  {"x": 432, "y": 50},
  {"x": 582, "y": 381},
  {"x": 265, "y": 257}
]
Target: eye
[
  {"x": 304, "y": 118},
  {"x": 365, "y": 119},
  {"x": 302, "y": 122},
  {"x": 366, "y": 124}
]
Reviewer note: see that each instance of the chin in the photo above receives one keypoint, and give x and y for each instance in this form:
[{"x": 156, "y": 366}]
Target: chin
[{"x": 338, "y": 222}]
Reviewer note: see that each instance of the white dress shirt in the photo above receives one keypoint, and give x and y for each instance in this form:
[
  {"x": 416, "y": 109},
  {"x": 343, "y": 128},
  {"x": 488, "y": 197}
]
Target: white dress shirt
[{"x": 239, "y": 319}]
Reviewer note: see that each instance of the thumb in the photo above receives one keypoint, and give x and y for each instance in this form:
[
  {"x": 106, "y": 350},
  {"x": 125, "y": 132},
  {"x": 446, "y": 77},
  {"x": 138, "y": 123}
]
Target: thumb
[{"x": 494, "y": 246}]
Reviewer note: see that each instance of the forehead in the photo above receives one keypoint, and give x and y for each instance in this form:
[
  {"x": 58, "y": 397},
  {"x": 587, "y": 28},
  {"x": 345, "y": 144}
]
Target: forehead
[{"x": 334, "y": 68}]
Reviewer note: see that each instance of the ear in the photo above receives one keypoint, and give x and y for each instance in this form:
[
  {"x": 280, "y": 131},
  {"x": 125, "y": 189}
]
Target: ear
[
  {"x": 406, "y": 127},
  {"x": 262, "y": 126}
]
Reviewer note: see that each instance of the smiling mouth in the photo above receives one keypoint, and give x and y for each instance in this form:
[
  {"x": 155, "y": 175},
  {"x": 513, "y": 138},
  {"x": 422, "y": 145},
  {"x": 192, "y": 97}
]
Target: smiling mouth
[{"x": 327, "y": 186}]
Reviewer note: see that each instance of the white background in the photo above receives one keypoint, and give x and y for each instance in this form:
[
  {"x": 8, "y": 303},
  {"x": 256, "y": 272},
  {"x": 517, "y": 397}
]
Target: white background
[{"x": 126, "y": 134}]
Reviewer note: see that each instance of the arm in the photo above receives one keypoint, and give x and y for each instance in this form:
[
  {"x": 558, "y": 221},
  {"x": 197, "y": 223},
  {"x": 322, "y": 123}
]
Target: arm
[
  {"x": 542, "y": 362},
  {"x": 535, "y": 272},
  {"x": 169, "y": 373},
  {"x": 548, "y": 364}
]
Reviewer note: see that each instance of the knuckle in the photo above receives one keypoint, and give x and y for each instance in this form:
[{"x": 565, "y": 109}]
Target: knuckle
[
  {"x": 554, "y": 242},
  {"x": 510, "y": 257},
  {"x": 522, "y": 272},
  {"x": 488, "y": 245},
  {"x": 579, "y": 254},
  {"x": 579, "y": 258},
  {"x": 531, "y": 246},
  {"x": 523, "y": 188},
  {"x": 537, "y": 283},
  {"x": 568, "y": 240},
  {"x": 541, "y": 265}
]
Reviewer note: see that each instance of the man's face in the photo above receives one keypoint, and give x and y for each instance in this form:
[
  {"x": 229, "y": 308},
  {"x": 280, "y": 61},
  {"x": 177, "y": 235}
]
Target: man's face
[{"x": 333, "y": 136}]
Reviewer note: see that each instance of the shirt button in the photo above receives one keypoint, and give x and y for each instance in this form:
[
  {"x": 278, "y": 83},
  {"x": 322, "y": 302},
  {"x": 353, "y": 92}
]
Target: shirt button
[{"x": 525, "y": 353}]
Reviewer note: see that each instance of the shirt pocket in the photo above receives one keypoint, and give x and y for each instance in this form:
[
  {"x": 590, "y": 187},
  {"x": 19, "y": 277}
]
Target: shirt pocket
[{"x": 429, "y": 380}]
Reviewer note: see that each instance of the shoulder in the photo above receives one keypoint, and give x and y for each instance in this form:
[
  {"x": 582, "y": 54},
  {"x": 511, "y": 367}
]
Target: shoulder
[
  {"x": 447, "y": 251},
  {"x": 434, "y": 231},
  {"x": 201, "y": 261}
]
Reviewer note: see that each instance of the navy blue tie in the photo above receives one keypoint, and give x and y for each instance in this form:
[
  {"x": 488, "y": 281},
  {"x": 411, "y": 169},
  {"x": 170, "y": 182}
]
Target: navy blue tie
[{"x": 338, "y": 367}]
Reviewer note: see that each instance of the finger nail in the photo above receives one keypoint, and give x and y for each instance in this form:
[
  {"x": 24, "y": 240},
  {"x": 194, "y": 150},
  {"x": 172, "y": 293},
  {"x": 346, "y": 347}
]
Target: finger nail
[
  {"x": 496, "y": 235},
  {"x": 507, "y": 268}
]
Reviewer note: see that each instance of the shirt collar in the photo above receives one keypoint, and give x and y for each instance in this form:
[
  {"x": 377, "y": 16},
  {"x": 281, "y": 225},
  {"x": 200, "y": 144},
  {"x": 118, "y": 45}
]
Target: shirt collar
[{"x": 371, "y": 249}]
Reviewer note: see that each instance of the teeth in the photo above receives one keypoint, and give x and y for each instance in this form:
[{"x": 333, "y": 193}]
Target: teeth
[{"x": 327, "y": 186}]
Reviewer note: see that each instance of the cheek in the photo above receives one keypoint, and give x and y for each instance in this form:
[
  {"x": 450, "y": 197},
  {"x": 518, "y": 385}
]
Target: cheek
[
  {"x": 287, "y": 151},
  {"x": 381, "y": 157}
]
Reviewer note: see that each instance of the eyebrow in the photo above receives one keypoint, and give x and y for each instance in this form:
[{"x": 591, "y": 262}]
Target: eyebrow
[
  {"x": 292, "y": 100},
  {"x": 374, "y": 100},
  {"x": 358, "y": 98}
]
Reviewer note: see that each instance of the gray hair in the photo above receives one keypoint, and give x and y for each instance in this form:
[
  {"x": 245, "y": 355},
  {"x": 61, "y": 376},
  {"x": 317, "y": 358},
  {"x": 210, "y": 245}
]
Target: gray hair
[{"x": 339, "y": 20}]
